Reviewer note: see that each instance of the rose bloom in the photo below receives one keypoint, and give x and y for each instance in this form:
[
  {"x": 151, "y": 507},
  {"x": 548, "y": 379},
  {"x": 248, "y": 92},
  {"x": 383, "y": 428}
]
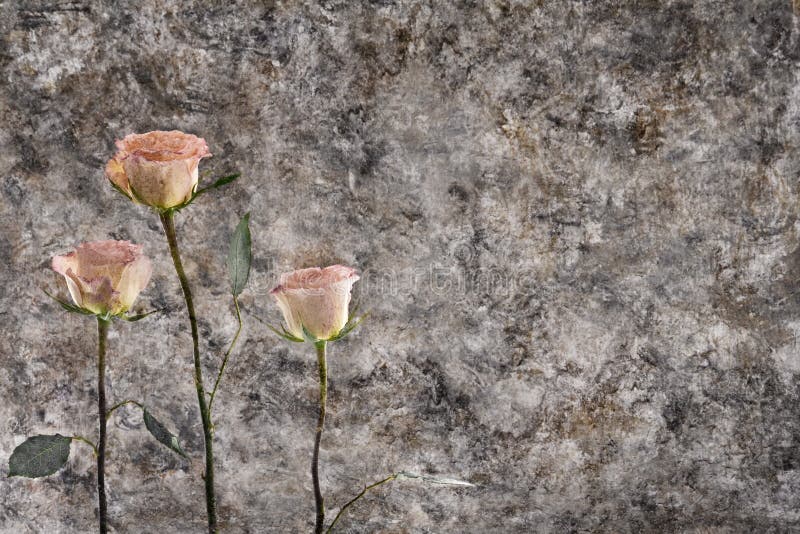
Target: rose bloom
[
  {"x": 316, "y": 299},
  {"x": 105, "y": 276},
  {"x": 158, "y": 168}
]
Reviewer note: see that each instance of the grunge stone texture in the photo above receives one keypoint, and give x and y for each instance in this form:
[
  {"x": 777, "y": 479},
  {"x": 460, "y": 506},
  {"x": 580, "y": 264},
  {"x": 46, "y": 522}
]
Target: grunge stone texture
[{"x": 577, "y": 228}]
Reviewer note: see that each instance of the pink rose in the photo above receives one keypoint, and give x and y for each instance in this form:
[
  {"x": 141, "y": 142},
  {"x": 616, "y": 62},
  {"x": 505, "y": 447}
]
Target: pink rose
[
  {"x": 315, "y": 299},
  {"x": 158, "y": 168},
  {"x": 105, "y": 276}
]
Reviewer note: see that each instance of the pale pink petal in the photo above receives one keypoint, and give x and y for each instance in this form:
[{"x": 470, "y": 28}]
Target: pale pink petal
[
  {"x": 97, "y": 295},
  {"x": 134, "y": 279},
  {"x": 105, "y": 259},
  {"x": 66, "y": 266},
  {"x": 116, "y": 173},
  {"x": 160, "y": 168},
  {"x": 74, "y": 287},
  {"x": 61, "y": 264},
  {"x": 317, "y": 299},
  {"x": 165, "y": 146},
  {"x": 105, "y": 276},
  {"x": 162, "y": 184},
  {"x": 193, "y": 166},
  {"x": 293, "y": 323}
]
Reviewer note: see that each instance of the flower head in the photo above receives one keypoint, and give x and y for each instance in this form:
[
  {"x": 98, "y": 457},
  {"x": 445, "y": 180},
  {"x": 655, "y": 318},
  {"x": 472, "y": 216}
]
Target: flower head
[
  {"x": 315, "y": 300},
  {"x": 105, "y": 276},
  {"x": 158, "y": 168}
]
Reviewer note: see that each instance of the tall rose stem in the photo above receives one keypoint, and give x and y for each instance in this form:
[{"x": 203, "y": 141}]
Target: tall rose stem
[
  {"x": 102, "y": 336},
  {"x": 323, "y": 396},
  {"x": 168, "y": 223}
]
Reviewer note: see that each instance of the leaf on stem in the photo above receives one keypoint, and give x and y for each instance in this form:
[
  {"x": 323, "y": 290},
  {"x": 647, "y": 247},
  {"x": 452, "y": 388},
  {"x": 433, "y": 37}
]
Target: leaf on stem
[
  {"x": 39, "y": 456},
  {"x": 396, "y": 476},
  {"x": 160, "y": 432},
  {"x": 239, "y": 256},
  {"x": 434, "y": 480},
  {"x": 219, "y": 183},
  {"x": 138, "y": 317}
]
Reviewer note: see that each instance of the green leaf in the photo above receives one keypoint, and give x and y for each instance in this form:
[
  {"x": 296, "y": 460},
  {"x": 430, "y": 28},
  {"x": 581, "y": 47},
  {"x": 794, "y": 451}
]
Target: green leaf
[
  {"x": 239, "y": 256},
  {"x": 160, "y": 432},
  {"x": 39, "y": 456},
  {"x": 138, "y": 317},
  {"x": 72, "y": 308},
  {"x": 219, "y": 183},
  {"x": 434, "y": 480}
]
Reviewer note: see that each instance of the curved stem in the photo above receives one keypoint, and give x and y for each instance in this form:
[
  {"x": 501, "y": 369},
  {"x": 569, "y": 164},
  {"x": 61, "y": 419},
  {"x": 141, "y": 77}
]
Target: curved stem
[
  {"x": 168, "y": 223},
  {"x": 102, "y": 336},
  {"x": 323, "y": 396},
  {"x": 120, "y": 405},
  {"x": 354, "y": 499},
  {"x": 227, "y": 354},
  {"x": 86, "y": 441}
]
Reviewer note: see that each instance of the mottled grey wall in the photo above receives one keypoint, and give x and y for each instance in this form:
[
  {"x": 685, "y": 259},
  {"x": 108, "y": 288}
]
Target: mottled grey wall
[{"x": 578, "y": 228}]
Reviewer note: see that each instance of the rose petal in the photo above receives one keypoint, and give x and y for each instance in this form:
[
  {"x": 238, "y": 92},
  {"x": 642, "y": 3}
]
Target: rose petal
[
  {"x": 104, "y": 276},
  {"x": 133, "y": 280},
  {"x": 161, "y": 184},
  {"x": 98, "y": 295},
  {"x": 160, "y": 168},
  {"x": 317, "y": 299},
  {"x": 116, "y": 173}
]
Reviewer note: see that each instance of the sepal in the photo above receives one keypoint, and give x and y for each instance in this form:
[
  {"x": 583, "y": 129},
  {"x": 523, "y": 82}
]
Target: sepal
[
  {"x": 122, "y": 191},
  {"x": 350, "y": 325},
  {"x": 72, "y": 308},
  {"x": 285, "y": 334},
  {"x": 308, "y": 336},
  {"x": 219, "y": 183}
]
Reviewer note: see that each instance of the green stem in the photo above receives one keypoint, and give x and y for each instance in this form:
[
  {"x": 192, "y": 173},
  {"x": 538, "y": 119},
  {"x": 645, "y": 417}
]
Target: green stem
[
  {"x": 86, "y": 441},
  {"x": 323, "y": 396},
  {"x": 227, "y": 354},
  {"x": 168, "y": 223},
  {"x": 102, "y": 336},
  {"x": 354, "y": 499},
  {"x": 120, "y": 405}
]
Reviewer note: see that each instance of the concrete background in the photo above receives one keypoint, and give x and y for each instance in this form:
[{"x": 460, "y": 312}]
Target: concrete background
[{"x": 577, "y": 224}]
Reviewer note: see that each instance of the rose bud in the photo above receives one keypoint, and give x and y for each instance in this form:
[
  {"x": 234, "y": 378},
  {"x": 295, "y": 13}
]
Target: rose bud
[
  {"x": 158, "y": 168},
  {"x": 315, "y": 299},
  {"x": 105, "y": 276}
]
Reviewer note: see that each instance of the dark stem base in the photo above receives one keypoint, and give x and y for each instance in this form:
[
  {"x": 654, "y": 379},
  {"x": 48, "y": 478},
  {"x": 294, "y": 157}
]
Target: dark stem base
[
  {"x": 102, "y": 335},
  {"x": 323, "y": 395}
]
